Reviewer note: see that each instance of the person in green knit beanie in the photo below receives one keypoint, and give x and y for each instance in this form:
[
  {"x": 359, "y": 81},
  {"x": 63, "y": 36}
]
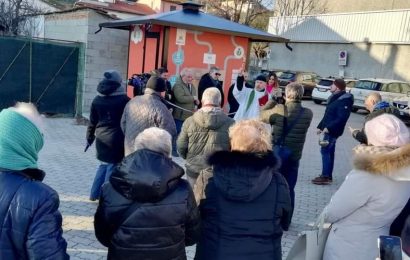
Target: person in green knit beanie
[{"x": 29, "y": 208}]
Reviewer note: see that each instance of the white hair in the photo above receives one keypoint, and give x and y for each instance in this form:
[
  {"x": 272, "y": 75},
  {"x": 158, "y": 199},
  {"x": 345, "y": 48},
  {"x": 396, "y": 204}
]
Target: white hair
[
  {"x": 186, "y": 71},
  {"x": 294, "y": 91},
  {"x": 211, "y": 96},
  {"x": 29, "y": 111},
  {"x": 154, "y": 139}
]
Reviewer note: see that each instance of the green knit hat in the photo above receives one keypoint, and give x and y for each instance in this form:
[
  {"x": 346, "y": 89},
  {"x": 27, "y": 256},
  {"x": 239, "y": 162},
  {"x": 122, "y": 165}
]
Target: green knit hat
[{"x": 20, "y": 141}]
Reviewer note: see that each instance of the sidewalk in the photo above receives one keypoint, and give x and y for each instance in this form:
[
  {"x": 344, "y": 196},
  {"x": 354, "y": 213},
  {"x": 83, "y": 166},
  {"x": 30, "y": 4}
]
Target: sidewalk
[{"x": 70, "y": 172}]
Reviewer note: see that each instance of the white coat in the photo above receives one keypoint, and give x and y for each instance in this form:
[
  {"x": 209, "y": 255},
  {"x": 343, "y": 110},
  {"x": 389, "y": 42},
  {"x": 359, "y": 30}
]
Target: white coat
[
  {"x": 371, "y": 197},
  {"x": 242, "y": 97}
]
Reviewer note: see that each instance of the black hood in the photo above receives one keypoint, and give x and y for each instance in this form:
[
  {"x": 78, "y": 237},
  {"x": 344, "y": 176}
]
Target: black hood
[
  {"x": 107, "y": 87},
  {"x": 146, "y": 176},
  {"x": 242, "y": 176}
]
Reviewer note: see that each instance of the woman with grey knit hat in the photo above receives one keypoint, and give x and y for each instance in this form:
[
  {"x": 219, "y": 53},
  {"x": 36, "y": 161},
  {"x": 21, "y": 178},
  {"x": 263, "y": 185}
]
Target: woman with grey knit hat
[
  {"x": 104, "y": 126},
  {"x": 31, "y": 222}
]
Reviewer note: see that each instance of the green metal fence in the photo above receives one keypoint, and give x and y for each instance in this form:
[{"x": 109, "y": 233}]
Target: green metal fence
[{"x": 44, "y": 72}]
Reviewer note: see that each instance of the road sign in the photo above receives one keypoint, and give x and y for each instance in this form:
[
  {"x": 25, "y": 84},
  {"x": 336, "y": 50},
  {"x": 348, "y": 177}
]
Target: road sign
[{"x": 342, "y": 58}]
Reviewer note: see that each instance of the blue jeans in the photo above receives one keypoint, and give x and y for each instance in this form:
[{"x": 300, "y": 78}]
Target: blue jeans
[
  {"x": 103, "y": 175},
  {"x": 178, "y": 124},
  {"x": 328, "y": 156},
  {"x": 290, "y": 170}
]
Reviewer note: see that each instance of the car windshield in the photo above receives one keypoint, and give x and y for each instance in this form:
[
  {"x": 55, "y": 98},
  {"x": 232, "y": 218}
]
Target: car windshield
[
  {"x": 325, "y": 82},
  {"x": 287, "y": 75},
  {"x": 368, "y": 85}
]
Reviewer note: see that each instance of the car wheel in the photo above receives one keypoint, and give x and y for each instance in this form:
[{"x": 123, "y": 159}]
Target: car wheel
[
  {"x": 354, "y": 109},
  {"x": 317, "y": 101}
]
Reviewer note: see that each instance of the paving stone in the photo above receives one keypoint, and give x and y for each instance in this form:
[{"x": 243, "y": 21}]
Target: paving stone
[{"x": 70, "y": 171}]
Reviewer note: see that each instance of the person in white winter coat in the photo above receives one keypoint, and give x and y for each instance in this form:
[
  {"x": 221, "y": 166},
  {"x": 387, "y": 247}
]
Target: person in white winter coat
[{"x": 373, "y": 193}]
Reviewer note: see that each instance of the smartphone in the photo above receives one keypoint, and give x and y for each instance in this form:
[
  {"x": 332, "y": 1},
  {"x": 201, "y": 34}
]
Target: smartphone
[{"x": 390, "y": 248}]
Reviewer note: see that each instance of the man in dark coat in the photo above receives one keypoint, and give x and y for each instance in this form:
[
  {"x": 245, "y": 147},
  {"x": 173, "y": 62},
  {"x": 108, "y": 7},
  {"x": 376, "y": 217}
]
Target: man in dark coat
[
  {"x": 147, "y": 211},
  {"x": 376, "y": 107},
  {"x": 104, "y": 125},
  {"x": 274, "y": 114},
  {"x": 147, "y": 111},
  {"x": 332, "y": 125},
  {"x": 30, "y": 220},
  {"x": 247, "y": 204},
  {"x": 210, "y": 79}
]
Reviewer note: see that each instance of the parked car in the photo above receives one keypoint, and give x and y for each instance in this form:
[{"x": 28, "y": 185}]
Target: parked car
[
  {"x": 403, "y": 106},
  {"x": 307, "y": 79},
  {"x": 322, "y": 90},
  {"x": 389, "y": 89}
]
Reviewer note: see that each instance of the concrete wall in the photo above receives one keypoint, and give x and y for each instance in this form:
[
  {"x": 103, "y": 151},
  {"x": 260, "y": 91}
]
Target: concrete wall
[
  {"x": 106, "y": 50},
  {"x": 364, "y": 60}
]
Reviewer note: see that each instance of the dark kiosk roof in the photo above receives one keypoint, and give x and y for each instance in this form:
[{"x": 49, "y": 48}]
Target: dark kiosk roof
[{"x": 198, "y": 21}]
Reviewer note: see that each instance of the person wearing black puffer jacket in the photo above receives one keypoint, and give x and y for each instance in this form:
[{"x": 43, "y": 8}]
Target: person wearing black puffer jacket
[
  {"x": 104, "y": 126},
  {"x": 247, "y": 203},
  {"x": 147, "y": 211}
]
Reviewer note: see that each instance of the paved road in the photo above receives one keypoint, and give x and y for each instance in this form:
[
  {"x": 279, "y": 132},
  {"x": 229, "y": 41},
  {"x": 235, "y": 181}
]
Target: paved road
[{"x": 70, "y": 171}]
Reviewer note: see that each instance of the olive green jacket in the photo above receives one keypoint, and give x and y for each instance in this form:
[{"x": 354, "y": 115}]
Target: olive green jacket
[
  {"x": 273, "y": 114},
  {"x": 202, "y": 134},
  {"x": 183, "y": 98}
]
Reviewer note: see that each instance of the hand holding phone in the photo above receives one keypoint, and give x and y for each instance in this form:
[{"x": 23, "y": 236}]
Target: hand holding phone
[{"x": 389, "y": 248}]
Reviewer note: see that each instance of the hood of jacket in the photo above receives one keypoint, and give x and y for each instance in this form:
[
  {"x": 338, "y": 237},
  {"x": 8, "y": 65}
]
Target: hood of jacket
[
  {"x": 210, "y": 118},
  {"x": 387, "y": 161},
  {"x": 242, "y": 176},
  {"x": 146, "y": 176},
  {"x": 109, "y": 87}
]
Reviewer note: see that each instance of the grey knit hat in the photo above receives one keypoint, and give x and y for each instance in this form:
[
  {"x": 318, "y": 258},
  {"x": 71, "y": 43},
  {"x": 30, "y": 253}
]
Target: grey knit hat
[{"x": 113, "y": 75}]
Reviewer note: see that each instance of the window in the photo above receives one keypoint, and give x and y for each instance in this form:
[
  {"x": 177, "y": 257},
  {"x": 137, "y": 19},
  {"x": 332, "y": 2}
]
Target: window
[
  {"x": 405, "y": 88},
  {"x": 325, "y": 82},
  {"x": 392, "y": 87},
  {"x": 287, "y": 75},
  {"x": 172, "y": 8},
  {"x": 371, "y": 85}
]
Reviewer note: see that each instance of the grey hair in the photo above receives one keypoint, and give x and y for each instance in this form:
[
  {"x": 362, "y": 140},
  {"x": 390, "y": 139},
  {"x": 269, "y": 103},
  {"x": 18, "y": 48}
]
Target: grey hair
[
  {"x": 294, "y": 91},
  {"x": 211, "y": 96},
  {"x": 213, "y": 69},
  {"x": 186, "y": 71},
  {"x": 154, "y": 139}
]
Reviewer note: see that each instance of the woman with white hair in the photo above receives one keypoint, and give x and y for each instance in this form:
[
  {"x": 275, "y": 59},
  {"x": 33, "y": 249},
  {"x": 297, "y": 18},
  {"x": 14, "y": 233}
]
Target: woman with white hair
[
  {"x": 247, "y": 204},
  {"x": 31, "y": 222},
  {"x": 147, "y": 211},
  {"x": 373, "y": 193}
]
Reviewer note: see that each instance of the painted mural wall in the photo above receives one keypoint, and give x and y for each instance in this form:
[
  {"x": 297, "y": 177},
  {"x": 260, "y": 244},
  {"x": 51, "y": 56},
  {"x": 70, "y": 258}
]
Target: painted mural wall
[
  {"x": 190, "y": 49},
  {"x": 202, "y": 50}
]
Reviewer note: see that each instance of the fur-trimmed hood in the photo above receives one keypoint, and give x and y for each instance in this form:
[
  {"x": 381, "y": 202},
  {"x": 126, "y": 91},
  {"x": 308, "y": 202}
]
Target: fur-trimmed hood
[
  {"x": 394, "y": 163},
  {"x": 242, "y": 176}
]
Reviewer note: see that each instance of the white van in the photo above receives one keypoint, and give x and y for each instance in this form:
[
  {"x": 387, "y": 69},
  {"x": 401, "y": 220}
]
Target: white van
[{"x": 389, "y": 89}]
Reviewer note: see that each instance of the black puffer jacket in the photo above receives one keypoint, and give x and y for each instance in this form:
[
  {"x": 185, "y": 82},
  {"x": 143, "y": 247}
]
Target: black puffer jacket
[
  {"x": 147, "y": 211},
  {"x": 246, "y": 209},
  {"x": 105, "y": 118}
]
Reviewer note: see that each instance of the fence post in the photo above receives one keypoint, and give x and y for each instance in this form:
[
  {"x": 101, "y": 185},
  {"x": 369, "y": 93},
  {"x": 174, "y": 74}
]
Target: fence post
[{"x": 80, "y": 81}]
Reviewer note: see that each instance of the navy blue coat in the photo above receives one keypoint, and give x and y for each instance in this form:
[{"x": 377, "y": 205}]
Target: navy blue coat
[
  {"x": 246, "y": 209},
  {"x": 31, "y": 222},
  {"x": 337, "y": 113}
]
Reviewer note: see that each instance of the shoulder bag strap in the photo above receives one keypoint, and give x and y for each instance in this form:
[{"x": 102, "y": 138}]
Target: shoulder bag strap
[{"x": 288, "y": 128}]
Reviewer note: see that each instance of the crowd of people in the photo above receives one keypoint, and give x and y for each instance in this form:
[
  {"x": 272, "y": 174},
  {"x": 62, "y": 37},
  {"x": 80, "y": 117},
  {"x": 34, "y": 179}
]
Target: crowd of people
[{"x": 241, "y": 169}]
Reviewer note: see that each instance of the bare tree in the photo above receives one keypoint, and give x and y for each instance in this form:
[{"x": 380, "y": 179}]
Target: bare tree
[
  {"x": 240, "y": 11},
  {"x": 290, "y": 11},
  {"x": 14, "y": 15}
]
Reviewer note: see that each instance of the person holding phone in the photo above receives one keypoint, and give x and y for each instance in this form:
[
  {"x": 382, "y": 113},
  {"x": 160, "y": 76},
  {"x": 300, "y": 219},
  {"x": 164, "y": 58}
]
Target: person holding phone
[{"x": 373, "y": 193}]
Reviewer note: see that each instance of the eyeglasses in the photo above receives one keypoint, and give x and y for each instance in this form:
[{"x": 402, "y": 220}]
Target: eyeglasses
[{"x": 218, "y": 74}]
